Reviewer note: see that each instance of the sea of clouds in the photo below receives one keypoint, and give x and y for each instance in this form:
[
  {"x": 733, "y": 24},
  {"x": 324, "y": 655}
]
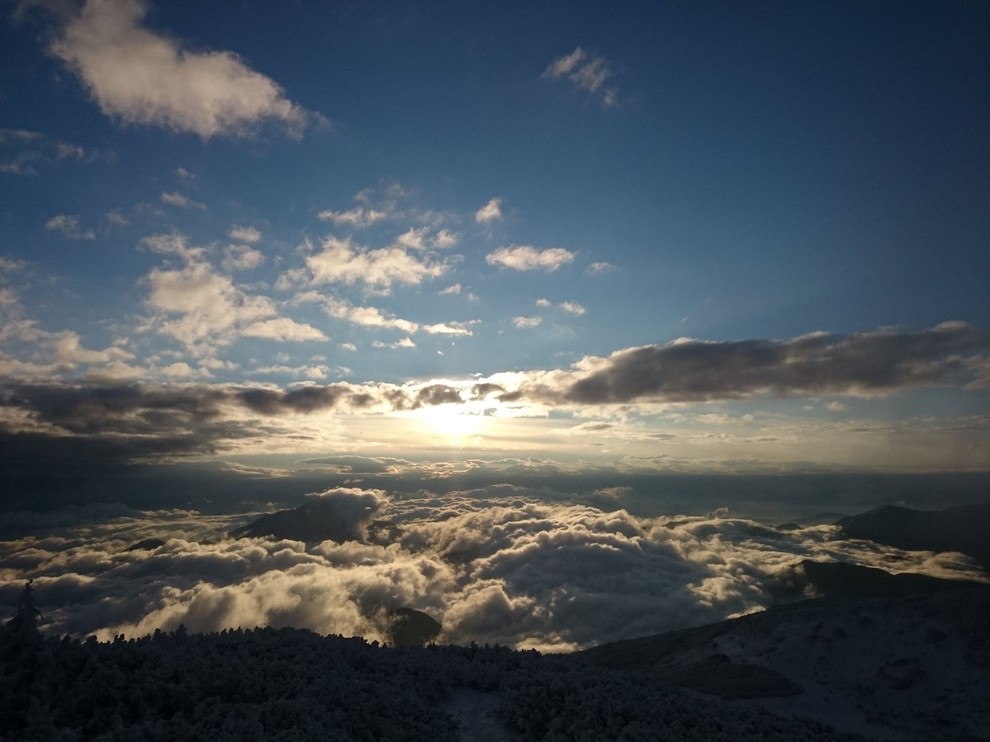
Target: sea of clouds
[{"x": 493, "y": 565}]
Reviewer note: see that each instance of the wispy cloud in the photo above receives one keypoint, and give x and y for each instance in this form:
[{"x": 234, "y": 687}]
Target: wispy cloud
[
  {"x": 356, "y": 218},
  {"x": 283, "y": 329},
  {"x": 174, "y": 198},
  {"x": 369, "y": 316},
  {"x": 33, "y": 148},
  {"x": 138, "y": 76},
  {"x": 599, "y": 267},
  {"x": 525, "y": 323},
  {"x": 68, "y": 225},
  {"x": 588, "y": 73},
  {"x": 404, "y": 343},
  {"x": 572, "y": 307}
]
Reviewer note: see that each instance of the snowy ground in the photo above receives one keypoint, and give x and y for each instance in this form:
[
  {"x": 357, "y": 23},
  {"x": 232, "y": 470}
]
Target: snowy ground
[{"x": 887, "y": 668}]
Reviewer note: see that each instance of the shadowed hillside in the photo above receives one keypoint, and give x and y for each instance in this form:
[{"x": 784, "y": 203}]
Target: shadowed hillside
[{"x": 965, "y": 528}]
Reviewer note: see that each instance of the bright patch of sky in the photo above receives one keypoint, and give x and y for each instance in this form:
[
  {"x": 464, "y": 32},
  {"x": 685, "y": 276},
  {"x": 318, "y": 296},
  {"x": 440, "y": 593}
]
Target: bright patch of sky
[{"x": 655, "y": 236}]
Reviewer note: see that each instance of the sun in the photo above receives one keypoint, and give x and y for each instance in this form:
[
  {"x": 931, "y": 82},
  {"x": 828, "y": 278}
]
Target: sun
[{"x": 452, "y": 424}]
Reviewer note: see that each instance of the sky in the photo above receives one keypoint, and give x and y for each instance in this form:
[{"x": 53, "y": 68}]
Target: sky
[{"x": 255, "y": 250}]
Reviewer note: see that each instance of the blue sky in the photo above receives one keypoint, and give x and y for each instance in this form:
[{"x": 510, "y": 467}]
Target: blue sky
[{"x": 663, "y": 237}]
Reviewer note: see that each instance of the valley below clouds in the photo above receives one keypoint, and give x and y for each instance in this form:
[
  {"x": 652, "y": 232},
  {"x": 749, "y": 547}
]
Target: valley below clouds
[{"x": 493, "y": 565}]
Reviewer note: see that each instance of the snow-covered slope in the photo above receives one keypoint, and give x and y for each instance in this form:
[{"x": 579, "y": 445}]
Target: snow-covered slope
[{"x": 891, "y": 668}]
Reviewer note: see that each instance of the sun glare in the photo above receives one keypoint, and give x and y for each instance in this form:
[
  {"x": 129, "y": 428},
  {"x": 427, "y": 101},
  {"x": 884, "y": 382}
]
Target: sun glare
[{"x": 452, "y": 424}]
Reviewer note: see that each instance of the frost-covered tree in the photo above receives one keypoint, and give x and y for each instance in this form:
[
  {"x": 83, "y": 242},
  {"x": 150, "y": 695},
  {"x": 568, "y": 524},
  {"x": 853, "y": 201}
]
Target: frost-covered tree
[
  {"x": 27, "y": 612},
  {"x": 21, "y": 631}
]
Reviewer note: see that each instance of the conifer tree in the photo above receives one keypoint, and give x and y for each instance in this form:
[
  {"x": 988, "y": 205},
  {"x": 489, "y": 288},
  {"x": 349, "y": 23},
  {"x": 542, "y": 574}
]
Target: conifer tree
[{"x": 23, "y": 627}]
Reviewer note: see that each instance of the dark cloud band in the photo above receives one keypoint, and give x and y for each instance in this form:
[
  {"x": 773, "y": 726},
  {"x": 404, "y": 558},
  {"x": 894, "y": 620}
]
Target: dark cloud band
[{"x": 864, "y": 363}]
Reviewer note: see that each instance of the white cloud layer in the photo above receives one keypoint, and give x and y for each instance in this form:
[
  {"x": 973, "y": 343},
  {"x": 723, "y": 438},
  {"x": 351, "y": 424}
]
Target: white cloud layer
[
  {"x": 493, "y": 568},
  {"x": 139, "y": 77}
]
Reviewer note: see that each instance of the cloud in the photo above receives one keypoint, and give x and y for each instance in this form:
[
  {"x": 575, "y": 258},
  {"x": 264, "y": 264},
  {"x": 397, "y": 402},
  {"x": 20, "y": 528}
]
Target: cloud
[
  {"x": 244, "y": 234},
  {"x": 139, "y": 77},
  {"x": 173, "y": 244},
  {"x": 173, "y": 198},
  {"x": 68, "y": 225},
  {"x": 37, "y": 149},
  {"x": 490, "y": 212},
  {"x": 366, "y": 316},
  {"x": 526, "y": 258},
  {"x": 204, "y": 309},
  {"x": 863, "y": 364},
  {"x": 283, "y": 329},
  {"x": 494, "y": 565},
  {"x": 17, "y": 167},
  {"x": 341, "y": 261},
  {"x": 199, "y": 307},
  {"x": 599, "y": 267},
  {"x": 419, "y": 238},
  {"x": 357, "y": 218},
  {"x": 448, "y": 328},
  {"x": 404, "y": 343},
  {"x": 453, "y": 290},
  {"x": 69, "y": 351},
  {"x": 572, "y": 307},
  {"x": 241, "y": 258},
  {"x": 588, "y": 73},
  {"x": 526, "y": 322},
  {"x": 303, "y": 372},
  {"x": 372, "y": 207}
]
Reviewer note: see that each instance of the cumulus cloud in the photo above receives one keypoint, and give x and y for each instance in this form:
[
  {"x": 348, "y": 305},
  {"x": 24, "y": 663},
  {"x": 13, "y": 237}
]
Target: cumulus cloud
[
  {"x": 493, "y": 568},
  {"x": 587, "y": 72},
  {"x": 490, "y": 212},
  {"x": 68, "y": 225},
  {"x": 138, "y": 76},
  {"x": 527, "y": 258},
  {"x": 69, "y": 350},
  {"x": 203, "y": 309},
  {"x": 244, "y": 234},
  {"x": 199, "y": 307},
  {"x": 342, "y": 261},
  {"x": 241, "y": 258}
]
